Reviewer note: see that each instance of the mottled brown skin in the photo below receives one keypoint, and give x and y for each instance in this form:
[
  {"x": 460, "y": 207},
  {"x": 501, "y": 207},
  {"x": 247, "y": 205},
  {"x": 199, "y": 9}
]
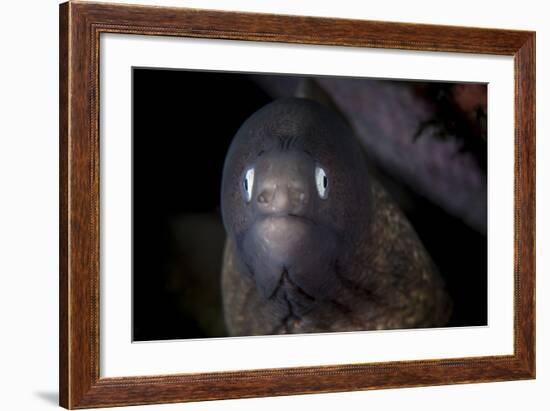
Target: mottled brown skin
[{"x": 375, "y": 274}]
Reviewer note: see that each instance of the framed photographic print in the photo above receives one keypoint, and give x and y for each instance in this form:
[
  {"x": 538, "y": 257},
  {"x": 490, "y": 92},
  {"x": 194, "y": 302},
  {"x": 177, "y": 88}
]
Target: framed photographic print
[{"x": 258, "y": 205}]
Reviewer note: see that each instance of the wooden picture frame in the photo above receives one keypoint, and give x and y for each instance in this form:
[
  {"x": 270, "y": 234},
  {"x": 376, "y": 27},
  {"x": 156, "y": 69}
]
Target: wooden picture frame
[{"x": 81, "y": 24}]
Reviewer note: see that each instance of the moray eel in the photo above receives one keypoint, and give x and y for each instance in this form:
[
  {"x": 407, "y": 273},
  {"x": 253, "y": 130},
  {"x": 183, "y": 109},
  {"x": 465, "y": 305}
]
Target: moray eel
[{"x": 315, "y": 244}]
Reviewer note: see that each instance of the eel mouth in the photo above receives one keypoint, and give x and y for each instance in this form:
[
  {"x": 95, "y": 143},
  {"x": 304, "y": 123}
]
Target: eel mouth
[
  {"x": 285, "y": 217},
  {"x": 282, "y": 237},
  {"x": 289, "y": 257}
]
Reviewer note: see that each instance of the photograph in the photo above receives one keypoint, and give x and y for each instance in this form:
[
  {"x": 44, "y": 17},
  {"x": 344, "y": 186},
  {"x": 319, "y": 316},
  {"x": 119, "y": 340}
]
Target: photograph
[
  {"x": 259, "y": 205},
  {"x": 274, "y": 205},
  {"x": 267, "y": 204}
]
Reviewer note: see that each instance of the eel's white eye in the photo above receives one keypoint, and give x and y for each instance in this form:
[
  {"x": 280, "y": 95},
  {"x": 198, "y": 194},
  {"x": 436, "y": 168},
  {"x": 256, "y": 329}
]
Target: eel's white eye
[
  {"x": 248, "y": 183},
  {"x": 321, "y": 182}
]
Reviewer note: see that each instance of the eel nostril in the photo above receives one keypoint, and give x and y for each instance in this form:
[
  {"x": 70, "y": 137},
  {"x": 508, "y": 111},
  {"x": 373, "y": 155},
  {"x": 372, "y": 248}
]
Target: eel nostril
[
  {"x": 266, "y": 195},
  {"x": 298, "y": 197},
  {"x": 282, "y": 198}
]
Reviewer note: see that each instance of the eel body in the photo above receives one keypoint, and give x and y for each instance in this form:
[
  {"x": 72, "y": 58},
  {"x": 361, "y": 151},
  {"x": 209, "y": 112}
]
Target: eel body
[{"x": 314, "y": 243}]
